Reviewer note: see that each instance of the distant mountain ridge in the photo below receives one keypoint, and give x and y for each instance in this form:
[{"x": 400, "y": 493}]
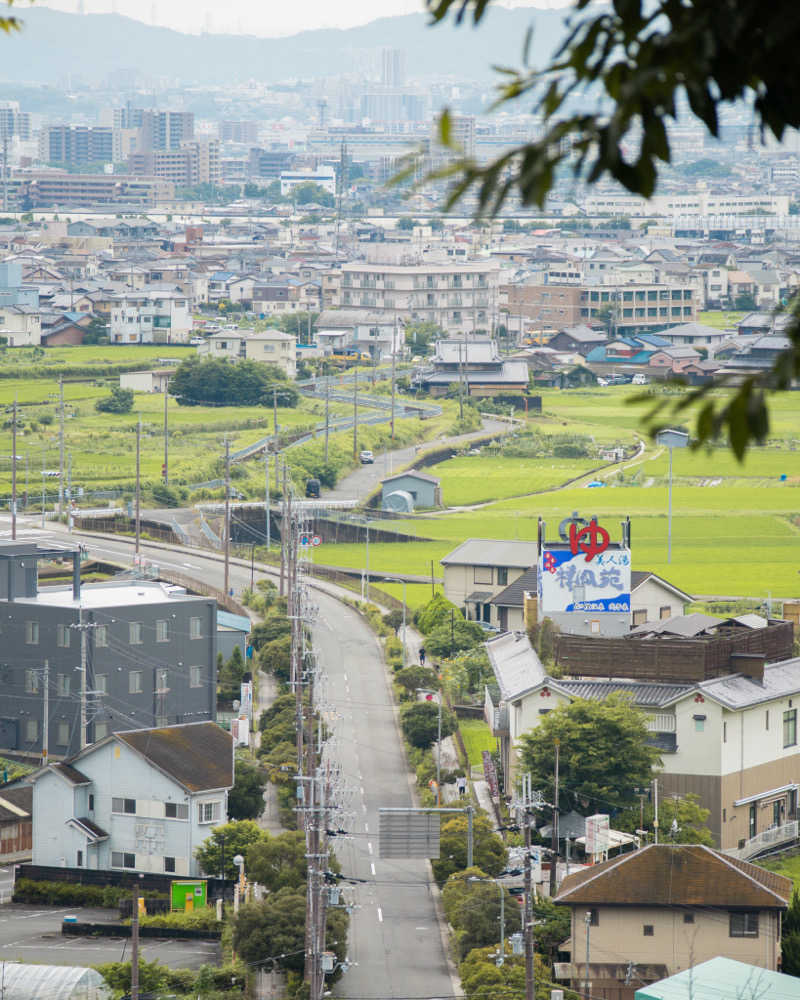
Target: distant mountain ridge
[{"x": 53, "y": 44}]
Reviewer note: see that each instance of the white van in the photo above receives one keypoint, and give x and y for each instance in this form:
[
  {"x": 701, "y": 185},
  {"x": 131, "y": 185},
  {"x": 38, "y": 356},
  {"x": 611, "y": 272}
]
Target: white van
[{"x": 640, "y": 379}]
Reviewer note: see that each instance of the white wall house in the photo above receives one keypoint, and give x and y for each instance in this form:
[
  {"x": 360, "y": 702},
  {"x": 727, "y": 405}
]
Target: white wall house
[
  {"x": 161, "y": 317},
  {"x": 21, "y": 326},
  {"x": 137, "y": 801},
  {"x": 273, "y": 347},
  {"x": 733, "y": 741}
]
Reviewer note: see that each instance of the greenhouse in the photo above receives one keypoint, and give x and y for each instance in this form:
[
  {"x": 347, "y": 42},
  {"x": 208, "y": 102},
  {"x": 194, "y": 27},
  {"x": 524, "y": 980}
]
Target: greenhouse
[{"x": 51, "y": 982}]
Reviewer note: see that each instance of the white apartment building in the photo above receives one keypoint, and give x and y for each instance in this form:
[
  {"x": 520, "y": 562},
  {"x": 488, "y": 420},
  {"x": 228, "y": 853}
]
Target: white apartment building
[
  {"x": 21, "y": 326},
  {"x": 150, "y": 317},
  {"x": 459, "y": 297},
  {"x": 324, "y": 176},
  {"x": 699, "y": 203}
]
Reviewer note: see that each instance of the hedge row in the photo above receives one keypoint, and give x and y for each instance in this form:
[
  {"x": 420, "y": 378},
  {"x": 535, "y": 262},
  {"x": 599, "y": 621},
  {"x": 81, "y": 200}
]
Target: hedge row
[{"x": 70, "y": 894}]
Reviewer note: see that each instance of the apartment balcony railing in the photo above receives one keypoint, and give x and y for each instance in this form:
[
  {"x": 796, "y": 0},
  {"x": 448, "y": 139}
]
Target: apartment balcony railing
[{"x": 774, "y": 836}]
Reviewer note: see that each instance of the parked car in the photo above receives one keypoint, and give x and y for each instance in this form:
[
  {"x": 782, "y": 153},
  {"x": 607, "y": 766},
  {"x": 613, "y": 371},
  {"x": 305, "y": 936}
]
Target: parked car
[
  {"x": 367, "y": 458},
  {"x": 601, "y": 380},
  {"x": 640, "y": 379},
  {"x": 488, "y": 627},
  {"x": 312, "y": 488}
]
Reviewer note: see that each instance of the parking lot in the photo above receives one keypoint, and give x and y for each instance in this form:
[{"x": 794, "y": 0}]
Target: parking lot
[{"x": 33, "y": 934}]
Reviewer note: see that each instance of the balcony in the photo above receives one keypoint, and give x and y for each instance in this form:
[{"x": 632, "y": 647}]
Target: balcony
[{"x": 773, "y": 837}]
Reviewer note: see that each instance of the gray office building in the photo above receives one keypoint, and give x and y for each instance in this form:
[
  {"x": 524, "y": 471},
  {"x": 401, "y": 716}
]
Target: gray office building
[{"x": 106, "y": 657}]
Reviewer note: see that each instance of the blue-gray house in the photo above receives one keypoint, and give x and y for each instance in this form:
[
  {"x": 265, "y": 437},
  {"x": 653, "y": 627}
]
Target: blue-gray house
[
  {"x": 138, "y": 801},
  {"x": 410, "y": 490}
]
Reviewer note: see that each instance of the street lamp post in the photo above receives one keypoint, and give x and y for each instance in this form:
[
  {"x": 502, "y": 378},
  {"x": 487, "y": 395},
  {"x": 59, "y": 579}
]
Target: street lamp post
[{"x": 671, "y": 439}]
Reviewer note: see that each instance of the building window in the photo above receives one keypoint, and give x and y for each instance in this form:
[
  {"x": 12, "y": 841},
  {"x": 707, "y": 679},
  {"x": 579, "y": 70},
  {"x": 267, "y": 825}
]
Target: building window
[
  {"x": 640, "y": 616},
  {"x": 80, "y": 859},
  {"x": 195, "y": 630},
  {"x": 482, "y": 574},
  {"x": 647, "y": 930},
  {"x": 195, "y": 677},
  {"x": 101, "y": 635},
  {"x": 100, "y": 730},
  {"x": 766, "y": 720},
  {"x": 62, "y": 685},
  {"x": 63, "y": 734},
  {"x": 134, "y": 682},
  {"x": 122, "y": 859},
  {"x": 31, "y": 682},
  {"x": 126, "y": 806},
  {"x": 176, "y": 810},
  {"x": 62, "y": 636},
  {"x": 594, "y": 918},
  {"x": 752, "y": 822},
  {"x": 162, "y": 631},
  {"x": 594, "y": 626},
  {"x": 101, "y": 683},
  {"x": 32, "y": 633},
  {"x": 688, "y": 918},
  {"x": 502, "y": 576},
  {"x": 665, "y": 612},
  {"x": 790, "y": 728},
  {"x": 208, "y": 812},
  {"x": 31, "y": 731},
  {"x": 699, "y": 723},
  {"x": 169, "y": 864},
  {"x": 724, "y": 732},
  {"x": 91, "y": 802},
  {"x": 135, "y": 633},
  {"x": 744, "y": 924}
]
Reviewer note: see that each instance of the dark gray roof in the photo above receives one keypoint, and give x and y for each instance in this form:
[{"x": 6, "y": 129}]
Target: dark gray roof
[
  {"x": 643, "y": 693},
  {"x": 198, "y": 755},
  {"x": 95, "y": 832},
  {"x": 513, "y": 595},
  {"x": 415, "y": 474},
  {"x": 72, "y": 774},
  {"x": 687, "y": 626},
  {"x": 481, "y": 596},
  {"x": 492, "y": 552},
  {"x": 13, "y": 799}
]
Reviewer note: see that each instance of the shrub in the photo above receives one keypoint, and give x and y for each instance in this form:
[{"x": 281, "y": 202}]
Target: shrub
[{"x": 120, "y": 401}]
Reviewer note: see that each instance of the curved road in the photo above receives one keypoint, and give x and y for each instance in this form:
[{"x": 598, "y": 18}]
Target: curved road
[{"x": 395, "y": 936}]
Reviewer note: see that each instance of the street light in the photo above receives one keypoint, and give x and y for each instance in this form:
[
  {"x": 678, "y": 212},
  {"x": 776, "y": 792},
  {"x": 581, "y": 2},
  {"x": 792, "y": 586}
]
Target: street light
[{"x": 671, "y": 439}]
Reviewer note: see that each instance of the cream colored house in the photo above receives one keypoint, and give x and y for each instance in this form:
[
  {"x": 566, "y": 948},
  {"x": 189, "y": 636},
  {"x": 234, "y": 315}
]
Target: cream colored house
[
  {"x": 732, "y": 741},
  {"x": 21, "y": 326},
  {"x": 275, "y": 348},
  {"x": 480, "y": 568},
  {"x": 656, "y": 911}
]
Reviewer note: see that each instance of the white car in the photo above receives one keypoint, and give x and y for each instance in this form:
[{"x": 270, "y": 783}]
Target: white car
[
  {"x": 640, "y": 379},
  {"x": 601, "y": 380}
]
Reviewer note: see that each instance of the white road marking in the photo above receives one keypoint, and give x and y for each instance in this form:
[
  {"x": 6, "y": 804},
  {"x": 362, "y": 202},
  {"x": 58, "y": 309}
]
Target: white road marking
[
  {"x": 372, "y": 867},
  {"x": 380, "y": 916},
  {"x": 363, "y": 806},
  {"x": 369, "y": 847},
  {"x": 366, "y": 827}
]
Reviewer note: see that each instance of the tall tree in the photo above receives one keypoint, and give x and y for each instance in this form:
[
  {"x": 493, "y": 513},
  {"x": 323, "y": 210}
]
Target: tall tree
[
  {"x": 622, "y": 72},
  {"x": 230, "y": 839},
  {"x": 603, "y": 753},
  {"x": 488, "y": 853},
  {"x": 471, "y": 903},
  {"x": 246, "y": 798}
]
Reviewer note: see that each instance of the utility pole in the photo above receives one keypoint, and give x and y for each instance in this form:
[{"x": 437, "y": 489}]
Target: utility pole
[
  {"x": 367, "y": 560},
  {"x": 355, "y": 415},
  {"x": 655, "y": 810},
  {"x": 227, "y": 515},
  {"x": 527, "y": 920},
  {"x": 275, "y": 415},
  {"x": 83, "y": 630},
  {"x": 46, "y": 711},
  {"x": 14, "y": 471},
  {"x": 44, "y": 498},
  {"x": 587, "y": 989},
  {"x": 394, "y": 359},
  {"x": 327, "y": 412},
  {"x": 60, "y": 444},
  {"x": 135, "y": 945},
  {"x": 69, "y": 491},
  {"x": 460, "y": 382},
  {"x": 138, "y": 489},
  {"x": 554, "y": 842},
  {"x": 266, "y": 496},
  {"x": 166, "y": 436},
  {"x": 284, "y": 529},
  {"x": 439, "y": 754}
]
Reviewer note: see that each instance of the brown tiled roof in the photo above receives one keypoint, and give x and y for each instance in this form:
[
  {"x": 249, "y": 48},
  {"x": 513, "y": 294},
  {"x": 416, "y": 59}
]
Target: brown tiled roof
[
  {"x": 72, "y": 774},
  {"x": 198, "y": 755},
  {"x": 676, "y": 875}
]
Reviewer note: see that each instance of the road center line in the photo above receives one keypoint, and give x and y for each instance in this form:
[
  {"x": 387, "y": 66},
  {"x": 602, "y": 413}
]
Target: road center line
[{"x": 380, "y": 915}]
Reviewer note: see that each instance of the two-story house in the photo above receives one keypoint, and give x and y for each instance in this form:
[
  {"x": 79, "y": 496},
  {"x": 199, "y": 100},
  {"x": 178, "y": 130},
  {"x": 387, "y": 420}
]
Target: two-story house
[
  {"x": 138, "y": 801},
  {"x": 732, "y": 740},
  {"x": 480, "y": 568},
  {"x": 651, "y": 913}
]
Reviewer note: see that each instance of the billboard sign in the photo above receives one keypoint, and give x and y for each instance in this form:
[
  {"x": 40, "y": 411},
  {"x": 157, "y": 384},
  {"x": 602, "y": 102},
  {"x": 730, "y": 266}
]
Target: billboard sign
[
  {"x": 587, "y": 573},
  {"x": 597, "y": 834}
]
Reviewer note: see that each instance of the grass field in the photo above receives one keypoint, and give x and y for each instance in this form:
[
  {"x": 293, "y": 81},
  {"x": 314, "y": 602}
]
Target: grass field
[
  {"x": 477, "y": 737},
  {"x": 478, "y": 478},
  {"x": 788, "y": 865},
  {"x": 720, "y": 318}
]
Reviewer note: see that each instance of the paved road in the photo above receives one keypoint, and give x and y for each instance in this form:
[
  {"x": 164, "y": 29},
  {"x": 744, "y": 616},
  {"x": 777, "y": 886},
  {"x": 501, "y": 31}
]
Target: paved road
[
  {"x": 363, "y": 480},
  {"x": 33, "y": 934},
  {"x": 395, "y": 936}
]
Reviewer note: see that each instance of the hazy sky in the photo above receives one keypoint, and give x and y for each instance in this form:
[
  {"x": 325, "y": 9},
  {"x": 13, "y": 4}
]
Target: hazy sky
[{"x": 273, "y": 17}]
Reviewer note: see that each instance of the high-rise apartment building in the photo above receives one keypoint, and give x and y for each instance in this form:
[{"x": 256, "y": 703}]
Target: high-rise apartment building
[
  {"x": 159, "y": 129},
  {"x": 196, "y": 162},
  {"x": 14, "y": 122},
  {"x": 238, "y": 131},
  {"x": 393, "y": 67},
  {"x": 77, "y": 144}
]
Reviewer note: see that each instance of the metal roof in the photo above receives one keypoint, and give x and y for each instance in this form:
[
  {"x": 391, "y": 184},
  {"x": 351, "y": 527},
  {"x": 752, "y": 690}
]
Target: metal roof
[
  {"x": 781, "y": 680},
  {"x": 514, "y": 594},
  {"x": 515, "y": 664},
  {"x": 56, "y": 982},
  {"x": 722, "y": 978},
  {"x": 645, "y": 693},
  {"x": 492, "y": 552}
]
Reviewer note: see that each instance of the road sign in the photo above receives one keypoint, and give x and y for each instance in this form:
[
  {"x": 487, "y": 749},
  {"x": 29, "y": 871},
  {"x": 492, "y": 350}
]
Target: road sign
[
  {"x": 305, "y": 541},
  {"x": 408, "y": 834},
  {"x": 316, "y": 540}
]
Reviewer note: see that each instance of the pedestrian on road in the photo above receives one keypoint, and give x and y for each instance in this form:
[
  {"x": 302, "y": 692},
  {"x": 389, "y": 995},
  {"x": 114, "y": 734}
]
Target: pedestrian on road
[
  {"x": 422, "y": 656},
  {"x": 461, "y": 785}
]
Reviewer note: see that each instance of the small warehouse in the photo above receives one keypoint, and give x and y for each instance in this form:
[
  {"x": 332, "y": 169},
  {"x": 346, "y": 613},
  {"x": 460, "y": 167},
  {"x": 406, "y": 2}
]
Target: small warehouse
[{"x": 409, "y": 490}]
